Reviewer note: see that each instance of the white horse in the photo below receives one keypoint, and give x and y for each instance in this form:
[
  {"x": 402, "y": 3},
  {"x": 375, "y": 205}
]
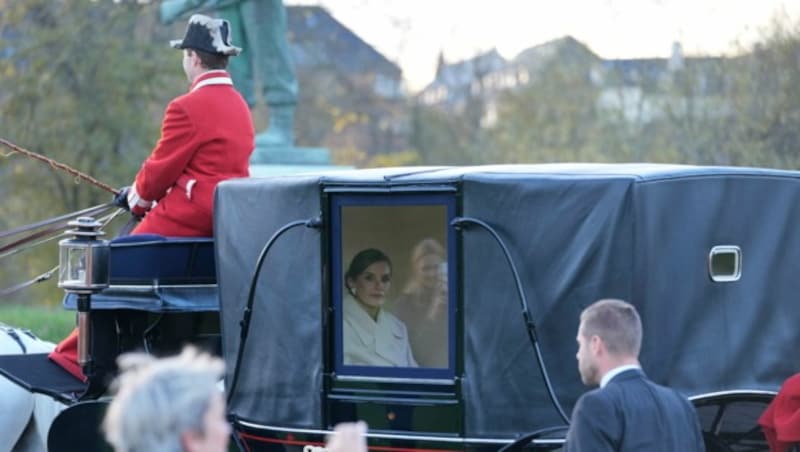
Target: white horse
[{"x": 25, "y": 417}]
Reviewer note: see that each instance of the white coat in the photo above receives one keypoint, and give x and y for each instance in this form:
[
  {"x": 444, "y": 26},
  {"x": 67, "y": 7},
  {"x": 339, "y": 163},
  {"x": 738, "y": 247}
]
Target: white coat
[{"x": 368, "y": 342}]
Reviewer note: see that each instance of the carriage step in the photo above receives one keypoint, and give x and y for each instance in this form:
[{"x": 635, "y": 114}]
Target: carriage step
[{"x": 37, "y": 373}]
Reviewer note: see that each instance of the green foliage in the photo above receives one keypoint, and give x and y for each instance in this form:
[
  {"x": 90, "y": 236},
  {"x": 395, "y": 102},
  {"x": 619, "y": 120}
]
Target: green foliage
[
  {"x": 50, "y": 324},
  {"x": 765, "y": 96},
  {"x": 83, "y": 83},
  {"x": 402, "y": 158},
  {"x": 553, "y": 120},
  {"x": 444, "y": 139}
]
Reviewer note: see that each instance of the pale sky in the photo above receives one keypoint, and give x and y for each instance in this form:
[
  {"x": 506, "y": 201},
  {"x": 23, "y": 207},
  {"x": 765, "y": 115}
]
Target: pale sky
[{"x": 413, "y": 32}]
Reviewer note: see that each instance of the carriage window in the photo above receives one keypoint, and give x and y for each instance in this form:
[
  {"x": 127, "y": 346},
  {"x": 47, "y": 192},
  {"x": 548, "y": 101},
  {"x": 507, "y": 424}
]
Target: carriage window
[
  {"x": 392, "y": 279},
  {"x": 725, "y": 263}
]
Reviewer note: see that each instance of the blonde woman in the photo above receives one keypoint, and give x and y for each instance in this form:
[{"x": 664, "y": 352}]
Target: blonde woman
[{"x": 423, "y": 304}]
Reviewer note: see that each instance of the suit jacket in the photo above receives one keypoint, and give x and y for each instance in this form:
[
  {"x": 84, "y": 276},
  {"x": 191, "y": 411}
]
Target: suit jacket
[
  {"x": 631, "y": 413},
  {"x": 207, "y": 136}
]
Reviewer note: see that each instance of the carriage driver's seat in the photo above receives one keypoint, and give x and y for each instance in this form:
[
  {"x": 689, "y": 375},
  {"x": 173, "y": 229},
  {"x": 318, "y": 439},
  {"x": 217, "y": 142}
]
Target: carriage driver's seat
[{"x": 162, "y": 295}]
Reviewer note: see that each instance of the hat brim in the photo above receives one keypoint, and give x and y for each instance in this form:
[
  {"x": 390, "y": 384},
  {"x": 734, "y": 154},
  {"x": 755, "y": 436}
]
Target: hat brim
[{"x": 228, "y": 51}]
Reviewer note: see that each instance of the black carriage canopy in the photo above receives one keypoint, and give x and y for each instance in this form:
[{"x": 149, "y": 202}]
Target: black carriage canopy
[{"x": 704, "y": 253}]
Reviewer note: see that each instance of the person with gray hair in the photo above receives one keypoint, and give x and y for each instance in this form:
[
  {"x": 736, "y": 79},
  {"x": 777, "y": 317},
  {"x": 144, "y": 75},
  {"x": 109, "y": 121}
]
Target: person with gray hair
[
  {"x": 175, "y": 404},
  {"x": 628, "y": 412},
  {"x": 168, "y": 405}
]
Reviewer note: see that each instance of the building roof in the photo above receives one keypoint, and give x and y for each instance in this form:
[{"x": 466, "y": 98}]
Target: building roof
[
  {"x": 464, "y": 71},
  {"x": 566, "y": 46},
  {"x": 316, "y": 39}
]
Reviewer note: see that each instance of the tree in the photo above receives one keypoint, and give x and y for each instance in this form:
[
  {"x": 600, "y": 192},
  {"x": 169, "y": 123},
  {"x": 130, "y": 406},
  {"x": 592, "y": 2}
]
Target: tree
[
  {"x": 764, "y": 93},
  {"x": 83, "y": 83},
  {"x": 440, "y": 138},
  {"x": 554, "y": 118}
]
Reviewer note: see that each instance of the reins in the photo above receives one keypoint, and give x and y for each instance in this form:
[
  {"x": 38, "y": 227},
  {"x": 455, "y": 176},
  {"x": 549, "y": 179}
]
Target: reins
[
  {"x": 91, "y": 211},
  {"x": 46, "y": 235},
  {"x": 59, "y": 166},
  {"x": 50, "y": 229}
]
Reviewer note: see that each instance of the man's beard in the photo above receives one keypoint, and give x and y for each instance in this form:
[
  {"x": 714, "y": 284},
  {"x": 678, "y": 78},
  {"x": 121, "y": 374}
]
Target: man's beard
[{"x": 589, "y": 375}]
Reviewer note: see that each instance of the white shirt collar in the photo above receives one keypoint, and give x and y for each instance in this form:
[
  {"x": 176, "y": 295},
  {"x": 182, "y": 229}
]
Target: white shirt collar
[{"x": 616, "y": 371}]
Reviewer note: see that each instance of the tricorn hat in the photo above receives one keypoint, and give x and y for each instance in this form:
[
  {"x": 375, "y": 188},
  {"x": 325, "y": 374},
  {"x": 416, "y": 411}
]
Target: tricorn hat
[{"x": 208, "y": 35}]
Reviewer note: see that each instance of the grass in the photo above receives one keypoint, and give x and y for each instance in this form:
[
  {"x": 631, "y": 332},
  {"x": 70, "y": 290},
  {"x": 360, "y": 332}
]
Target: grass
[{"x": 50, "y": 324}]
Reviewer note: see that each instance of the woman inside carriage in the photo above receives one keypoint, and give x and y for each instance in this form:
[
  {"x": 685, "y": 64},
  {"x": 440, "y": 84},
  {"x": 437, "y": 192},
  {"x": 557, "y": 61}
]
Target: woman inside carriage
[
  {"x": 423, "y": 304},
  {"x": 372, "y": 336}
]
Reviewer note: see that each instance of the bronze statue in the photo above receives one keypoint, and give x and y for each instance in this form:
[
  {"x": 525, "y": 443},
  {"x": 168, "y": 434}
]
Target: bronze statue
[{"x": 259, "y": 27}]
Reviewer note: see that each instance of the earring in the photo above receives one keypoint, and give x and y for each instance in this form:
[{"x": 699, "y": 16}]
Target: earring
[{"x": 354, "y": 292}]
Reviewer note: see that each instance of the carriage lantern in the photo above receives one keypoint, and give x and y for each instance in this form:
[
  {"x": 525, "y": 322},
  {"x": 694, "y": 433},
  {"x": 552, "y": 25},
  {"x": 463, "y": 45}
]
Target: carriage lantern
[{"x": 83, "y": 270}]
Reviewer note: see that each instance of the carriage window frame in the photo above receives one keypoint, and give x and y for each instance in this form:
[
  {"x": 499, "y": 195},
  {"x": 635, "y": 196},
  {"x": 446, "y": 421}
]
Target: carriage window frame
[
  {"x": 339, "y": 201},
  {"x": 725, "y": 251}
]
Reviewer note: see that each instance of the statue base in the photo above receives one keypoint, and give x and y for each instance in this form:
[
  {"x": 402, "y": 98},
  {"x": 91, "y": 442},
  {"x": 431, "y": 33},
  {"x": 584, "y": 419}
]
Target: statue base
[
  {"x": 278, "y": 160},
  {"x": 290, "y": 155}
]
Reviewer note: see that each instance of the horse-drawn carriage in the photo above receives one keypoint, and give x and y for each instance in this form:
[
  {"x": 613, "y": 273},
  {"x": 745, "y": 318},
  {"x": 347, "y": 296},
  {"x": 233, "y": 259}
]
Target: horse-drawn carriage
[{"x": 705, "y": 254}]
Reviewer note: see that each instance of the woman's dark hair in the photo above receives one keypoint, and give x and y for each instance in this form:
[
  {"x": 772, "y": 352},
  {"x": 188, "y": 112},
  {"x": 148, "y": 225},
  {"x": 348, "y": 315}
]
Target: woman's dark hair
[
  {"x": 364, "y": 259},
  {"x": 211, "y": 60}
]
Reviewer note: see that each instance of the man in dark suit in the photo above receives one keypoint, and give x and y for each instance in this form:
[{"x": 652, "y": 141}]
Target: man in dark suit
[{"x": 628, "y": 412}]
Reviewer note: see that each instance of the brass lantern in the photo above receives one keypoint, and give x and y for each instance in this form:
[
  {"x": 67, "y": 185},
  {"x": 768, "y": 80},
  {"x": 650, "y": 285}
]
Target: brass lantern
[
  {"x": 83, "y": 269},
  {"x": 83, "y": 259}
]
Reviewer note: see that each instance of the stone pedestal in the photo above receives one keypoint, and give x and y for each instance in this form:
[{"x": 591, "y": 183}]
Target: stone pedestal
[{"x": 277, "y": 160}]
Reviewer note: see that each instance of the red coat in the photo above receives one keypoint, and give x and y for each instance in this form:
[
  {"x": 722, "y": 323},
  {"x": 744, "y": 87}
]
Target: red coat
[
  {"x": 781, "y": 420},
  {"x": 207, "y": 136}
]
